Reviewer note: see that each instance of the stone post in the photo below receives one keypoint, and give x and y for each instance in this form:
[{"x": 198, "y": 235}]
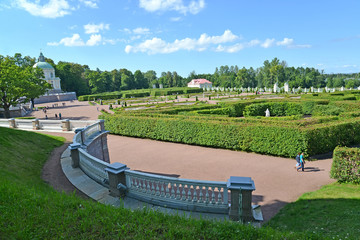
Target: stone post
[
  {"x": 117, "y": 179},
  {"x": 74, "y": 153},
  {"x": 241, "y": 196},
  {"x": 36, "y": 124},
  {"x": 102, "y": 125},
  {"x": 104, "y": 145},
  {"x": 12, "y": 123},
  {"x": 65, "y": 125}
]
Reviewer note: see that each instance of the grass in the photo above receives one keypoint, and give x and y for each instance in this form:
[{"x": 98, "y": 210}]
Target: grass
[
  {"x": 30, "y": 209},
  {"x": 333, "y": 211}
]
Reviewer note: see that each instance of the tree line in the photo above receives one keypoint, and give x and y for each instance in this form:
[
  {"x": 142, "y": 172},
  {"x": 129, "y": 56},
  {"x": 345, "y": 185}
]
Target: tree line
[{"x": 82, "y": 80}]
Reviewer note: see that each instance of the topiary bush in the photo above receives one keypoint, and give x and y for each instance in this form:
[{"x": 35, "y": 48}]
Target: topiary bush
[{"x": 346, "y": 165}]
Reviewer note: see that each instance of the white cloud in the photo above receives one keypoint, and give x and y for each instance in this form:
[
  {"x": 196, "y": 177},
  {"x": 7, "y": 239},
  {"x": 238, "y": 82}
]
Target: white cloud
[
  {"x": 52, "y": 9},
  {"x": 90, "y": 3},
  {"x": 285, "y": 42},
  {"x": 94, "y": 40},
  {"x": 193, "y": 7},
  {"x": 157, "y": 45},
  {"x": 140, "y": 30},
  {"x": 238, "y": 46},
  {"x": 95, "y": 28},
  {"x": 76, "y": 41},
  {"x": 268, "y": 43}
]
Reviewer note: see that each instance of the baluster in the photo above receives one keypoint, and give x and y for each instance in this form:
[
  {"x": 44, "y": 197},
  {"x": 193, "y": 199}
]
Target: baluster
[
  {"x": 213, "y": 195},
  {"x": 157, "y": 188},
  {"x": 137, "y": 184},
  {"x": 219, "y": 201},
  {"x": 143, "y": 186},
  {"x": 167, "y": 194},
  {"x": 177, "y": 191},
  {"x": 195, "y": 199},
  {"x": 189, "y": 192},
  {"x": 183, "y": 193},
  {"x": 172, "y": 190},
  {"x": 148, "y": 189},
  {"x": 207, "y": 195},
  {"x": 201, "y": 196},
  {"x": 162, "y": 189},
  {"x": 153, "y": 188}
]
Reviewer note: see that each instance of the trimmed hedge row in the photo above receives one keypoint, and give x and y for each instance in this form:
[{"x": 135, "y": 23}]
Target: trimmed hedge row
[
  {"x": 346, "y": 165},
  {"x": 140, "y": 93},
  {"x": 275, "y": 108},
  {"x": 281, "y": 137},
  {"x": 260, "y": 138}
]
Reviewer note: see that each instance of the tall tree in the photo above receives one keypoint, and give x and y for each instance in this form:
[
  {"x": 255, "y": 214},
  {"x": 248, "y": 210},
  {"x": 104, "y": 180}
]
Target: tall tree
[{"x": 19, "y": 83}]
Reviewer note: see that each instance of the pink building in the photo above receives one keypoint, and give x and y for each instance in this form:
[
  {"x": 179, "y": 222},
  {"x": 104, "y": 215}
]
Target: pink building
[{"x": 200, "y": 83}]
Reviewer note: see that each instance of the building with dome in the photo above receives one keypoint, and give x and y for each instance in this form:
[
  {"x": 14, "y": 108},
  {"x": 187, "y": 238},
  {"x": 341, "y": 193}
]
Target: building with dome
[{"x": 49, "y": 73}]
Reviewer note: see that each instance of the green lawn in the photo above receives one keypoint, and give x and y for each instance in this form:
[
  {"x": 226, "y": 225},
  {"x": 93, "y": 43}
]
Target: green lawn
[
  {"x": 333, "y": 211},
  {"x": 30, "y": 209}
]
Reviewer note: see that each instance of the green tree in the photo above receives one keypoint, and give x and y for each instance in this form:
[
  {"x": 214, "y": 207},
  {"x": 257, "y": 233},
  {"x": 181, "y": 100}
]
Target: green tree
[
  {"x": 19, "y": 82},
  {"x": 140, "y": 81}
]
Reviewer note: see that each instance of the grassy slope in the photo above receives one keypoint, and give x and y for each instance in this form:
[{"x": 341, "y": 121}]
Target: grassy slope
[
  {"x": 333, "y": 211},
  {"x": 30, "y": 209}
]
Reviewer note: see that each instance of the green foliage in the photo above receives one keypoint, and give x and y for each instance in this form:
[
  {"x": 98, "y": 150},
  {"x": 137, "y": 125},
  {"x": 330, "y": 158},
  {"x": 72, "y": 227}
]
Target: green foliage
[
  {"x": 326, "y": 110},
  {"x": 346, "y": 165},
  {"x": 275, "y": 108},
  {"x": 273, "y": 140}
]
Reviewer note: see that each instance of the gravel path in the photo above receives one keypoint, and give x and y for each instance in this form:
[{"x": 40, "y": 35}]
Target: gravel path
[{"x": 277, "y": 182}]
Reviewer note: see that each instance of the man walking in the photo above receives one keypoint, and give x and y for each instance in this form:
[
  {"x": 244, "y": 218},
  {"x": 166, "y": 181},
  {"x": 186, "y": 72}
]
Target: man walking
[{"x": 302, "y": 162}]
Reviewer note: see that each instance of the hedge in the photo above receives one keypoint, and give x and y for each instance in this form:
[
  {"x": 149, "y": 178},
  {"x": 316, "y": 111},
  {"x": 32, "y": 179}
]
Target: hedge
[
  {"x": 275, "y": 108},
  {"x": 260, "y": 138},
  {"x": 346, "y": 165}
]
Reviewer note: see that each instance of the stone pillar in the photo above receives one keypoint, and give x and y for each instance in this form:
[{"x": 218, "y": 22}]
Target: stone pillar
[
  {"x": 36, "y": 124},
  {"x": 105, "y": 150},
  {"x": 117, "y": 179},
  {"x": 241, "y": 196},
  {"x": 74, "y": 153},
  {"x": 65, "y": 125},
  {"x": 102, "y": 125},
  {"x": 12, "y": 123}
]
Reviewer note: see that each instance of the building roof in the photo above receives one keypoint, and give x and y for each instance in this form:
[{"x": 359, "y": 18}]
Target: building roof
[
  {"x": 42, "y": 64},
  {"x": 200, "y": 81}
]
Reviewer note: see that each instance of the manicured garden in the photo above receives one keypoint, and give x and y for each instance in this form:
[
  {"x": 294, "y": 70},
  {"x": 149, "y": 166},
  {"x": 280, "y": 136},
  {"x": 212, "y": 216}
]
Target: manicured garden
[{"x": 314, "y": 124}]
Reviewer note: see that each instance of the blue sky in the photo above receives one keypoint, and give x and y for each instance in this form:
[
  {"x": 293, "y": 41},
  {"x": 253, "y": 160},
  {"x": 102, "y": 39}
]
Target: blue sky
[{"x": 185, "y": 35}]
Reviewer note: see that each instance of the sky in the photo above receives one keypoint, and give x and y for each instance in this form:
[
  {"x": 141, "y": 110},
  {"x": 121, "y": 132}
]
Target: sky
[{"x": 184, "y": 35}]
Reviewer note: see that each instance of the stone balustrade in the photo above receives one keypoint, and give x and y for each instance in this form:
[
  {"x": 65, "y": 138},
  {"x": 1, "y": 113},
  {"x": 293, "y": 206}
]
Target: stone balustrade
[{"x": 232, "y": 197}]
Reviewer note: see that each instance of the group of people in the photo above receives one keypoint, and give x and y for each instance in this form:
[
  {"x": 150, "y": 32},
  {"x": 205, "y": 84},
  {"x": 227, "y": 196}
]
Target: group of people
[{"x": 300, "y": 161}]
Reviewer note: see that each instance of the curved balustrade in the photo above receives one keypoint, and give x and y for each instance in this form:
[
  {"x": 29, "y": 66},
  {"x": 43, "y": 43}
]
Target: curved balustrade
[
  {"x": 185, "y": 194},
  {"x": 201, "y": 196},
  {"x": 93, "y": 167}
]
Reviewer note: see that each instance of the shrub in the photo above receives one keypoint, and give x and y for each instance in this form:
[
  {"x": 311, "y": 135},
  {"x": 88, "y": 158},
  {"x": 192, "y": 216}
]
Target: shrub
[
  {"x": 346, "y": 165},
  {"x": 323, "y": 110},
  {"x": 275, "y": 108}
]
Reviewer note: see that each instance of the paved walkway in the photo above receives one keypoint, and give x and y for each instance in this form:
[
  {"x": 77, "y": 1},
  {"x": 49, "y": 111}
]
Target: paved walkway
[{"x": 277, "y": 182}]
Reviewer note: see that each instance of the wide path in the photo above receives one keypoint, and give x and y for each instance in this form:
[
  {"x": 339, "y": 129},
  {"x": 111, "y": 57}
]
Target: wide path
[{"x": 276, "y": 180}]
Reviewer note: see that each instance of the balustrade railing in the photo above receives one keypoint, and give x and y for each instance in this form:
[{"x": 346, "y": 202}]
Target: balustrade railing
[
  {"x": 23, "y": 123},
  {"x": 193, "y": 195},
  {"x": 93, "y": 167},
  {"x": 91, "y": 130}
]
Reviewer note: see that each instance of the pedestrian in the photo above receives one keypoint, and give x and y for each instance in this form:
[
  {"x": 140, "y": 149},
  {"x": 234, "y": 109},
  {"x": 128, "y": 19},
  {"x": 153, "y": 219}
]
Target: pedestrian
[
  {"x": 297, "y": 158},
  {"x": 55, "y": 115},
  {"x": 46, "y": 117},
  {"x": 302, "y": 162},
  {"x": 60, "y": 115}
]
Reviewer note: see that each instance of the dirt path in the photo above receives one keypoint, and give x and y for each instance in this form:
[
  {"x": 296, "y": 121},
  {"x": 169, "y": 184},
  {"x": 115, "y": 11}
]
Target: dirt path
[{"x": 277, "y": 182}]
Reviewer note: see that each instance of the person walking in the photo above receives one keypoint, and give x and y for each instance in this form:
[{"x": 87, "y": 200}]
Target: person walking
[
  {"x": 302, "y": 162},
  {"x": 59, "y": 115},
  {"x": 297, "y": 158},
  {"x": 55, "y": 115}
]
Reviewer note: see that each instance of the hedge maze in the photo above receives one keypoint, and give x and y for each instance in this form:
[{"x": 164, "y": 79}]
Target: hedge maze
[{"x": 313, "y": 124}]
